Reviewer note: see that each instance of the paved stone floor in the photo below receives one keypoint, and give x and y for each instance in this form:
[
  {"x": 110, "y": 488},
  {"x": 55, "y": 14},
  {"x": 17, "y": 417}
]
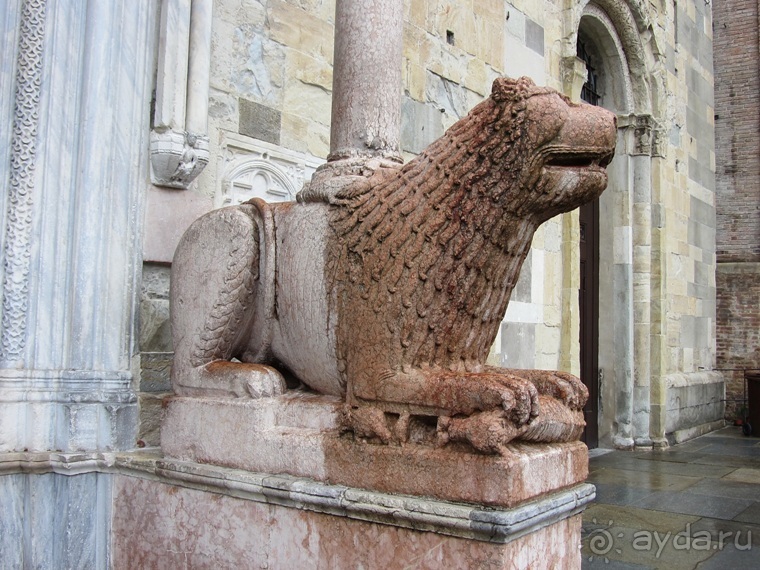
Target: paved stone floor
[{"x": 694, "y": 505}]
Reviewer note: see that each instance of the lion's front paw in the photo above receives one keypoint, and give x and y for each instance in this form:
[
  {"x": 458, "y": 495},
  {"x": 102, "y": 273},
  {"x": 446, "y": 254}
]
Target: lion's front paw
[
  {"x": 565, "y": 387},
  {"x": 467, "y": 393}
]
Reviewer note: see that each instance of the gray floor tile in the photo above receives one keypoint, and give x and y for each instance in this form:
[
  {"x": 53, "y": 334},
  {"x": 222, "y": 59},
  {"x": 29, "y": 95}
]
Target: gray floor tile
[
  {"x": 728, "y": 460},
  {"x": 750, "y": 515},
  {"x": 592, "y": 563},
  {"x": 612, "y": 494},
  {"x": 643, "y": 479},
  {"x": 688, "y": 503},
  {"x": 731, "y": 557},
  {"x": 673, "y": 455},
  {"x": 686, "y": 469},
  {"x": 725, "y": 488},
  {"x": 744, "y": 530},
  {"x": 739, "y": 450}
]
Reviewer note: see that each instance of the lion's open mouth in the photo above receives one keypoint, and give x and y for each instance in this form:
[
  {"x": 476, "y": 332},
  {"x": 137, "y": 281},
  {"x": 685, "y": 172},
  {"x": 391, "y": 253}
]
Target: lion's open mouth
[{"x": 579, "y": 160}]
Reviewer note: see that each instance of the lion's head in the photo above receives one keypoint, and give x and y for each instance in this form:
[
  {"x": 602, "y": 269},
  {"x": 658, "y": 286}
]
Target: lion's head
[{"x": 541, "y": 153}]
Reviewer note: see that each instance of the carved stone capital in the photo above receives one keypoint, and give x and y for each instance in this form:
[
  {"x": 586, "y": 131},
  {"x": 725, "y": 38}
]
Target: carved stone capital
[
  {"x": 177, "y": 158},
  {"x": 642, "y": 136},
  {"x": 659, "y": 147},
  {"x": 647, "y": 137}
]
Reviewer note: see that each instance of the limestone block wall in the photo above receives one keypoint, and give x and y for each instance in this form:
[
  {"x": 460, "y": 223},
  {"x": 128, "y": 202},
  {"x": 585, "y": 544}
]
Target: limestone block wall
[
  {"x": 687, "y": 213},
  {"x": 684, "y": 220}
]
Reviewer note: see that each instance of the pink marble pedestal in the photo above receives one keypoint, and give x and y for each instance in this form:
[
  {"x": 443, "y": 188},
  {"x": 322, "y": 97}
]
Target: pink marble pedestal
[{"x": 272, "y": 483}]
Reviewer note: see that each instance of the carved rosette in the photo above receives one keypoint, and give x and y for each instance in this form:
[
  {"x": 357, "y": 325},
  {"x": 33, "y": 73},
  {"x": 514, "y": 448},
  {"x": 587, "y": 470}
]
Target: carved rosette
[
  {"x": 177, "y": 158},
  {"x": 22, "y": 171}
]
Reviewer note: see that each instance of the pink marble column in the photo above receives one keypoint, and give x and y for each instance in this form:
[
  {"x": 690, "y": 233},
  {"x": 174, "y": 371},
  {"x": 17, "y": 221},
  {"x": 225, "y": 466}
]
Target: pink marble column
[{"x": 366, "y": 105}]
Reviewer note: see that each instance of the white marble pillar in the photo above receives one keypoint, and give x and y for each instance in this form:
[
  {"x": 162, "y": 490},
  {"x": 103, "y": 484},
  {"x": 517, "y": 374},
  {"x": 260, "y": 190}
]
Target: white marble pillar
[
  {"x": 73, "y": 222},
  {"x": 179, "y": 144}
]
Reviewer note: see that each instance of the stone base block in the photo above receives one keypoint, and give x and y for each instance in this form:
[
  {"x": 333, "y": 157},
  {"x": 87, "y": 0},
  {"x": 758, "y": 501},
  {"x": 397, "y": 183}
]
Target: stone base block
[
  {"x": 695, "y": 404},
  {"x": 298, "y": 434},
  {"x": 191, "y": 516}
]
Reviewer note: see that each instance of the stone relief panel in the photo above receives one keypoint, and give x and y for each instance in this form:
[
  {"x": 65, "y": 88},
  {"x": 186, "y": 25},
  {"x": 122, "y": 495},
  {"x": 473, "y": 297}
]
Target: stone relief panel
[
  {"x": 255, "y": 169},
  {"x": 23, "y": 160}
]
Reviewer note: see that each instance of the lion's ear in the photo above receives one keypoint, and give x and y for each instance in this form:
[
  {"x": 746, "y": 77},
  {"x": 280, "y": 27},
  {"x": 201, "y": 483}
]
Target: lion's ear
[{"x": 505, "y": 89}]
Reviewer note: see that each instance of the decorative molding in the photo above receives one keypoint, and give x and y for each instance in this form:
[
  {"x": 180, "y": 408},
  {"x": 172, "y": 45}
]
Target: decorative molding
[
  {"x": 179, "y": 143},
  {"x": 82, "y": 386},
  {"x": 72, "y": 410},
  {"x": 22, "y": 174},
  {"x": 495, "y": 525},
  {"x": 255, "y": 169}
]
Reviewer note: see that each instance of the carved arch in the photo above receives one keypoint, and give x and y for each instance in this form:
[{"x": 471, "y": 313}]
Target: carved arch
[
  {"x": 257, "y": 178},
  {"x": 624, "y": 27}
]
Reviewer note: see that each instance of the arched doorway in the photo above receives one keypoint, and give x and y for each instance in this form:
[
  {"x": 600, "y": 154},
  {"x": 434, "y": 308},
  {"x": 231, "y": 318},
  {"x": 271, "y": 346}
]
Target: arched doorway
[{"x": 610, "y": 67}]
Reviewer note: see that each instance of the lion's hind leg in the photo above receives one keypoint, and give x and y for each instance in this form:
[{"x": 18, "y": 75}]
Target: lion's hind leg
[{"x": 216, "y": 278}]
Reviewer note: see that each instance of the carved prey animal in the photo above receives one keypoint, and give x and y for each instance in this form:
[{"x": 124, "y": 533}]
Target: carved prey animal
[{"x": 391, "y": 290}]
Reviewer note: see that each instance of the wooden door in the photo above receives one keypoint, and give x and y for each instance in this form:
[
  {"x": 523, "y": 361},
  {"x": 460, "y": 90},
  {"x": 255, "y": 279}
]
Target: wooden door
[{"x": 589, "y": 317}]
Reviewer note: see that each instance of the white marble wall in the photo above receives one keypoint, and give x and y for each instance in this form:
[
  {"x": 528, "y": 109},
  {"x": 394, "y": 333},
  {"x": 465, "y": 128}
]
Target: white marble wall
[
  {"x": 55, "y": 521},
  {"x": 76, "y": 84},
  {"x": 75, "y": 96}
]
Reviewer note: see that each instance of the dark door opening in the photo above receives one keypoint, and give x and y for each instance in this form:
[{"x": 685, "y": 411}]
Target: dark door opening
[
  {"x": 589, "y": 317},
  {"x": 589, "y": 291}
]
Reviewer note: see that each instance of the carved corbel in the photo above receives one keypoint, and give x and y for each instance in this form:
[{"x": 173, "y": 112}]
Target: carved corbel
[
  {"x": 179, "y": 144},
  {"x": 574, "y": 75}
]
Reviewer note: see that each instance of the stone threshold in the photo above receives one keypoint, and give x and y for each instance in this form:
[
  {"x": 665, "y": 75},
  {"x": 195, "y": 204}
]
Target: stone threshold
[{"x": 495, "y": 525}]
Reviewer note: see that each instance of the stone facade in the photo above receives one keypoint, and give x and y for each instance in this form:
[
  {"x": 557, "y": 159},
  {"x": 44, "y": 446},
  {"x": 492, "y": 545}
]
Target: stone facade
[
  {"x": 270, "y": 89},
  {"x": 83, "y": 344},
  {"x": 737, "y": 123}
]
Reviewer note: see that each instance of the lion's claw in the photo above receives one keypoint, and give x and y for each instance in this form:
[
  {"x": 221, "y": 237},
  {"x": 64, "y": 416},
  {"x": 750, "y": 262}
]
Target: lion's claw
[{"x": 563, "y": 386}]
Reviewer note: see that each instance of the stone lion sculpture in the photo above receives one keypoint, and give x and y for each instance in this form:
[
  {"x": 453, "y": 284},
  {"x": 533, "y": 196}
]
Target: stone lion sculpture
[{"x": 389, "y": 291}]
